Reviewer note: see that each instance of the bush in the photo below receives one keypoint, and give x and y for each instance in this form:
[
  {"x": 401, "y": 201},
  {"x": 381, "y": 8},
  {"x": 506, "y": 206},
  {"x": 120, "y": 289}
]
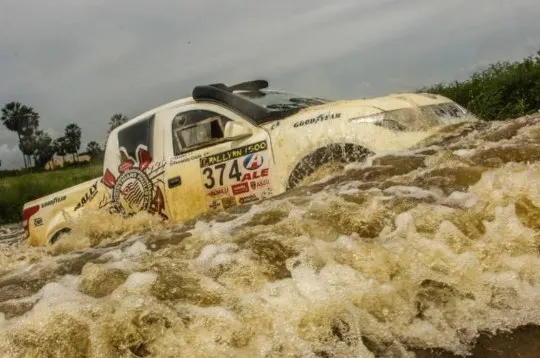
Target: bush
[{"x": 503, "y": 90}]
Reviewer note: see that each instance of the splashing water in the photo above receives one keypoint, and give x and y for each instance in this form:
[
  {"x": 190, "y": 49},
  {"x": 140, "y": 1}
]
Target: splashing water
[{"x": 409, "y": 251}]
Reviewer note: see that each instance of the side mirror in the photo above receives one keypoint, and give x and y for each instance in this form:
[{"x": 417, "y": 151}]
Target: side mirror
[{"x": 236, "y": 130}]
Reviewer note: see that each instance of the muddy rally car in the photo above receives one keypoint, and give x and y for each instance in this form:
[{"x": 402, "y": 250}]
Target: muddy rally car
[{"x": 232, "y": 145}]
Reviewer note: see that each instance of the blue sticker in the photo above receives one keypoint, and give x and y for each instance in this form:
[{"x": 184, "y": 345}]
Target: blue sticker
[{"x": 253, "y": 161}]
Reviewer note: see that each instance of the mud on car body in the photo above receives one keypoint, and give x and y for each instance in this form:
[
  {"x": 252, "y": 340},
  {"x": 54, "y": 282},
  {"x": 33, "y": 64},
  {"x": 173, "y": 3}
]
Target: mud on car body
[{"x": 232, "y": 145}]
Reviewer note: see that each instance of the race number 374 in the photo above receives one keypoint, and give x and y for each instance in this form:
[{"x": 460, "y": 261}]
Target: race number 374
[{"x": 215, "y": 175}]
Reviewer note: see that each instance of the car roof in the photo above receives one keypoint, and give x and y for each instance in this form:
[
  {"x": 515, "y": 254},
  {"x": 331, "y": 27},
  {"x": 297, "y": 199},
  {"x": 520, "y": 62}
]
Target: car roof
[{"x": 225, "y": 95}]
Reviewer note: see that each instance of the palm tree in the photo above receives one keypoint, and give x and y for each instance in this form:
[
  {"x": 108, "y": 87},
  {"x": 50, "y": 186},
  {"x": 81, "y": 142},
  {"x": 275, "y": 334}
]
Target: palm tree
[
  {"x": 93, "y": 148},
  {"x": 27, "y": 145},
  {"x": 116, "y": 120},
  {"x": 21, "y": 119},
  {"x": 73, "y": 138},
  {"x": 60, "y": 148},
  {"x": 44, "y": 150}
]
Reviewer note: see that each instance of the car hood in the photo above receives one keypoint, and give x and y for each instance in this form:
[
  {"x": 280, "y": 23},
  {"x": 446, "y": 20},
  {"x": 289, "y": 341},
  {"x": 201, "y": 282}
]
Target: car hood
[{"x": 357, "y": 108}]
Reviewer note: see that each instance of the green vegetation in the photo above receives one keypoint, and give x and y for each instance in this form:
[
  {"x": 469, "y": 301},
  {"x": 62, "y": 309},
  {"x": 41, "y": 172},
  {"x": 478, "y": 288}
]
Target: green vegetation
[
  {"x": 503, "y": 90},
  {"x": 17, "y": 190},
  {"x": 32, "y": 182}
]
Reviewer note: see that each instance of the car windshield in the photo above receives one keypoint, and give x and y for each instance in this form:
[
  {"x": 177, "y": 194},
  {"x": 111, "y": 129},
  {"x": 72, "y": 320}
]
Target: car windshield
[{"x": 277, "y": 101}]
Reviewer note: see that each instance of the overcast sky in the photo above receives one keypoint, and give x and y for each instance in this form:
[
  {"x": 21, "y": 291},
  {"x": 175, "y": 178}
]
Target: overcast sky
[{"x": 83, "y": 60}]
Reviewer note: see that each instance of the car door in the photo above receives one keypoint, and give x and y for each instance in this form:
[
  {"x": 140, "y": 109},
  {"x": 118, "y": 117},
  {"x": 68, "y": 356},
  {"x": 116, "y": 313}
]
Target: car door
[
  {"x": 133, "y": 170},
  {"x": 217, "y": 159}
]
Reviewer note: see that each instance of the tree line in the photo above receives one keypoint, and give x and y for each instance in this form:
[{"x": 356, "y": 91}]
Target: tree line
[
  {"x": 501, "y": 91},
  {"x": 37, "y": 146}
]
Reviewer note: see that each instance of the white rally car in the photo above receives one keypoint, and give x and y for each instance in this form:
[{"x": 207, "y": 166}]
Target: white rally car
[{"x": 231, "y": 145}]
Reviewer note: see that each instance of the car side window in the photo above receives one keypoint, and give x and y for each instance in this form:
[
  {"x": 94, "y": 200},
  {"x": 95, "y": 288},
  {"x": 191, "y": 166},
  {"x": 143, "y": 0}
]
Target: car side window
[
  {"x": 195, "y": 129},
  {"x": 130, "y": 138}
]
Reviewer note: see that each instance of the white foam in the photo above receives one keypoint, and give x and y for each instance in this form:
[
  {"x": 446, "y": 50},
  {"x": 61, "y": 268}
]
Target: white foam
[
  {"x": 135, "y": 250},
  {"x": 461, "y": 199},
  {"x": 411, "y": 192},
  {"x": 138, "y": 279}
]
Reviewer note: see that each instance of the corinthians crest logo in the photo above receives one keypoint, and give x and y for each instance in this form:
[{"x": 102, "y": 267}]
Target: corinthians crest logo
[{"x": 135, "y": 187}]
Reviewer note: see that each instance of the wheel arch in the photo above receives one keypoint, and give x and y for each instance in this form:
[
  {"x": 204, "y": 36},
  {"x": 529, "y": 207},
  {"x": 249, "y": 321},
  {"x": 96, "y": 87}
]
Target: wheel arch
[
  {"x": 56, "y": 235},
  {"x": 335, "y": 152}
]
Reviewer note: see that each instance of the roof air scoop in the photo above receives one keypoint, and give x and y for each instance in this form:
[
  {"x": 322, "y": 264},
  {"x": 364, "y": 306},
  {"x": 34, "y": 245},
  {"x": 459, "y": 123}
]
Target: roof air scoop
[
  {"x": 225, "y": 96},
  {"x": 255, "y": 85}
]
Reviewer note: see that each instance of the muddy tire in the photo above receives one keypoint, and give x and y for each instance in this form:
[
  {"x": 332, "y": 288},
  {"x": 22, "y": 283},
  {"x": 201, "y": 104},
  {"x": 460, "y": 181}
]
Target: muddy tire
[
  {"x": 58, "y": 235},
  {"x": 334, "y": 153}
]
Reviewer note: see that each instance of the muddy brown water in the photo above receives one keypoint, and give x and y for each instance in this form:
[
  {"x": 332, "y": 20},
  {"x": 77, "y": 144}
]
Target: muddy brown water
[{"x": 432, "y": 252}]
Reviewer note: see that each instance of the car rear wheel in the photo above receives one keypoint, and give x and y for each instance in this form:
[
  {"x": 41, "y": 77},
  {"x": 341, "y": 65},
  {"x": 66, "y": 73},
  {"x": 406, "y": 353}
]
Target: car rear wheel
[
  {"x": 58, "y": 235},
  {"x": 324, "y": 161}
]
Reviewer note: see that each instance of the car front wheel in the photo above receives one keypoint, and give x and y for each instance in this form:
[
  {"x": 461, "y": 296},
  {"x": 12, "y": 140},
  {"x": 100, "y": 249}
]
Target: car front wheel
[{"x": 324, "y": 161}]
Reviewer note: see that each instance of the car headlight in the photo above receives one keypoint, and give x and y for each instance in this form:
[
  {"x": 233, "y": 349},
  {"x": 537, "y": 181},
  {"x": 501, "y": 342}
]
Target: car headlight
[
  {"x": 368, "y": 119},
  {"x": 379, "y": 120}
]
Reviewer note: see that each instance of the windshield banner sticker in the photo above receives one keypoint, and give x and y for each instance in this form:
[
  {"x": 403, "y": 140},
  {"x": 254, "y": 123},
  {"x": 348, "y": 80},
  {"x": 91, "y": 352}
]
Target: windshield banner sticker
[{"x": 233, "y": 154}]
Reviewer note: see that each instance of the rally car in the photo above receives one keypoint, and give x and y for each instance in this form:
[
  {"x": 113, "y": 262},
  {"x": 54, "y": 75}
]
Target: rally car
[{"x": 232, "y": 145}]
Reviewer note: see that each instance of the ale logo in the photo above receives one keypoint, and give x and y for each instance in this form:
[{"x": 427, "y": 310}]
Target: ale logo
[{"x": 253, "y": 161}]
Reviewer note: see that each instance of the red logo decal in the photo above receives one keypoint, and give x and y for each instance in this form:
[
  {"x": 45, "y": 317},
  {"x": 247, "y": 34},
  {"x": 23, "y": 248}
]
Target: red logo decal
[
  {"x": 240, "y": 188},
  {"x": 255, "y": 175}
]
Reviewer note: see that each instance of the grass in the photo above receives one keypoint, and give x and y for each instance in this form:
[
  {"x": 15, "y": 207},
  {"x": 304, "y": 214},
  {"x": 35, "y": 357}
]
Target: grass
[{"x": 16, "y": 191}]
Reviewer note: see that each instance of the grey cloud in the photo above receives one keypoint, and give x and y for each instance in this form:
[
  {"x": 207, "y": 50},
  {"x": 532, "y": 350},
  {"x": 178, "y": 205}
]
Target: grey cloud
[
  {"x": 81, "y": 61},
  {"x": 10, "y": 156}
]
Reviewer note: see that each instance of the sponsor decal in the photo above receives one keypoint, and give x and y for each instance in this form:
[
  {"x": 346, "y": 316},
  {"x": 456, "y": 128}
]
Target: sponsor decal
[
  {"x": 135, "y": 187},
  {"x": 319, "y": 118},
  {"x": 214, "y": 204},
  {"x": 233, "y": 154},
  {"x": 274, "y": 125},
  {"x": 54, "y": 201},
  {"x": 259, "y": 183},
  {"x": 255, "y": 175},
  {"x": 183, "y": 159},
  {"x": 218, "y": 191},
  {"x": 89, "y": 195},
  {"x": 248, "y": 199},
  {"x": 253, "y": 161},
  {"x": 38, "y": 222},
  {"x": 228, "y": 202},
  {"x": 266, "y": 193},
  {"x": 240, "y": 188}
]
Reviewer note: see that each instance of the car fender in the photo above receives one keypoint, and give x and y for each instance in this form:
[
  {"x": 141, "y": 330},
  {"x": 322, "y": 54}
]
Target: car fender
[
  {"x": 298, "y": 136},
  {"x": 60, "y": 222}
]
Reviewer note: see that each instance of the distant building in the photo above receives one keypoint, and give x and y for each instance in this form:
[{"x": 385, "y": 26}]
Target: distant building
[{"x": 58, "y": 161}]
